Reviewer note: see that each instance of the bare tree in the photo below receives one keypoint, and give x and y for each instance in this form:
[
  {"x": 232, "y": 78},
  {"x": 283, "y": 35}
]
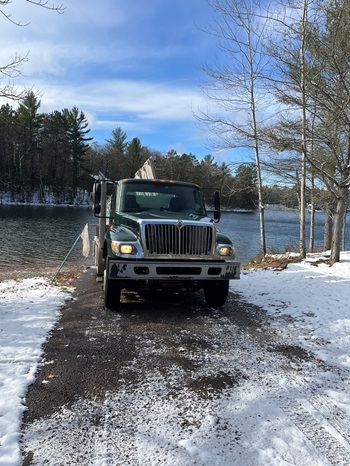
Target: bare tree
[
  {"x": 331, "y": 92},
  {"x": 236, "y": 89},
  {"x": 303, "y": 76},
  {"x": 12, "y": 70},
  {"x": 14, "y": 67},
  {"x": 288, "y": 49},
  {"x": 44, "y": 4},
  {"x": 316, "y": 81}
]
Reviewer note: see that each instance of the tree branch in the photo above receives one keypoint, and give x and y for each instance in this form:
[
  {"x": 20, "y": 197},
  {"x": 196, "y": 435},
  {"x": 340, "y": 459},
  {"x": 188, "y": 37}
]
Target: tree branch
[{"x": 42, "y": 3}]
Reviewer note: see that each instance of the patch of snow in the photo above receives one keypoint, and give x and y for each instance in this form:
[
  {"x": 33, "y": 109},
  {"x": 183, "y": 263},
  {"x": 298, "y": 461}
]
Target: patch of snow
[
  {"x": 28, "y": 311},
  {"x": 315, "y": 296}
]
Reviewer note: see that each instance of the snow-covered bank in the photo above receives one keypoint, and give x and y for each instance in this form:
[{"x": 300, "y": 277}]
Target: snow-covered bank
[
  {"x": 317, "y": 298},
  {"x": 83, "y": 198},
  {"x": 307, "y": 305},
  {"x": 28, "y": 311}
]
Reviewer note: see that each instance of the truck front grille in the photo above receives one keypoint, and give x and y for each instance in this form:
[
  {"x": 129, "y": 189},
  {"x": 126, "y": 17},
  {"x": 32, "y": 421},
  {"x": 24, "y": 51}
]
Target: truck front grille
[{"x": 193, "y": 240}]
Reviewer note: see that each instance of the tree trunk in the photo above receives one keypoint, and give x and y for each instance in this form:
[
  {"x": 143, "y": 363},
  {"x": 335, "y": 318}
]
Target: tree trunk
[
  {"x": 344, "y": 232},
  {"x": 302, "y": 247},
  {"x": 337, "y": 229},
  {"x": 312, "y": 208},
  {"x": 328, "y": 223},
  {"x": 262, "y": 229},
  {"x": 312, "y": 227},
  {"x": 261, "y": 202}
]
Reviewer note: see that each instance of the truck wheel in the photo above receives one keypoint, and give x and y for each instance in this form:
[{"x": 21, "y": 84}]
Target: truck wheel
[
  {"x": 216, "y": 292},
  {"x": 112, "y": 293}
]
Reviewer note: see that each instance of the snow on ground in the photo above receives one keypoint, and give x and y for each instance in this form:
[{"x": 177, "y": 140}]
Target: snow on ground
[
  {"x": 315, "y": 295},
  {"x": 307, "y": 303},
  {"x": 28, "y": 311}
]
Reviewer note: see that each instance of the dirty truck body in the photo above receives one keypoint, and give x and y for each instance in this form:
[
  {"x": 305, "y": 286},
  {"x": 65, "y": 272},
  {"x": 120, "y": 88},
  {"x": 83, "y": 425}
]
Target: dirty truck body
[{"x": 155, "y": 235}]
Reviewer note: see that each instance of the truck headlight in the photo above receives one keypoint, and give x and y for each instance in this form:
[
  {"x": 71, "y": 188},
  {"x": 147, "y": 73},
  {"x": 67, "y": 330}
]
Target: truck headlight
[
  {"x": 127, "y": 249},
  {"x": 226, "y": 251},
  {"x": 123, "y": 248}
]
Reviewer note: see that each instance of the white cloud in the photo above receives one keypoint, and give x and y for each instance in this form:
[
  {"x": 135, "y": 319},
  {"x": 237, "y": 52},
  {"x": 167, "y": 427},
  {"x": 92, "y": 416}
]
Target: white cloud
[
  {"x": 126, "y": 64},
  {"x": 141, "y": 99}
]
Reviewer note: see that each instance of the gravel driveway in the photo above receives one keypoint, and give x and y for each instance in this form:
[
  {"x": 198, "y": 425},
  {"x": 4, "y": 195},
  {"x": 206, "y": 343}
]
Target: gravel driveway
[{"x": 169, "y": 380}]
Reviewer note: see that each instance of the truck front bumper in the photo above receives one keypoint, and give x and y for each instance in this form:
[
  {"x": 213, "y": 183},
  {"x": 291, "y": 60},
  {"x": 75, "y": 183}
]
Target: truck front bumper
[{"x": 172, "y": 270}]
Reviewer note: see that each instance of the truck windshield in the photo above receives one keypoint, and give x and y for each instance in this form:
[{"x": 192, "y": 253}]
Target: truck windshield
[{"x": 161, "y": 196}]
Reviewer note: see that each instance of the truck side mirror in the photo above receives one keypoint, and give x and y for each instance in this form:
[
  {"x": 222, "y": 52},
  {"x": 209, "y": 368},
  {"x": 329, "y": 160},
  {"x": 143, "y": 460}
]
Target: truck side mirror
[
  {"x": 96, "y": 193},
  {"x": 217, "y": 211}
]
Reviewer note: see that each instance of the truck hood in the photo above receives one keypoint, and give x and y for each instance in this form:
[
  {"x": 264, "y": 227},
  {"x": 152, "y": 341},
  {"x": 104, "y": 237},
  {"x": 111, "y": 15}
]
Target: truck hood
[
  {"x": 164, "y": 215},
  {"x": 131, "y": 221}
]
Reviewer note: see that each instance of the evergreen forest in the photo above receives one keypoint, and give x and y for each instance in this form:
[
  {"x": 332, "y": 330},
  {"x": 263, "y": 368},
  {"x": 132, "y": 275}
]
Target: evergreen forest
[{"x": 49, "y": 158}]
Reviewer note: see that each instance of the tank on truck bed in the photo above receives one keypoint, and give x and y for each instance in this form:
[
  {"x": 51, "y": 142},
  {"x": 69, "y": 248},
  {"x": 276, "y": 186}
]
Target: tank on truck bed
[{"x": 156, "y": 234}]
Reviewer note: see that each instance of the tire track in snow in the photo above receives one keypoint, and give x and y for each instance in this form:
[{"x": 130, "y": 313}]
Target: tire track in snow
[{"x": 315, "y": 418}]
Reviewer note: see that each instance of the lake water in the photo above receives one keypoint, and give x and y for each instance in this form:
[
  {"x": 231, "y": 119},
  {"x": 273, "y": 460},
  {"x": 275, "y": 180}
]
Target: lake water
[
  {"x": 42, "y": 235},
  {"x": 32, "y": 235},
  {"x": 282, "y": 231}
]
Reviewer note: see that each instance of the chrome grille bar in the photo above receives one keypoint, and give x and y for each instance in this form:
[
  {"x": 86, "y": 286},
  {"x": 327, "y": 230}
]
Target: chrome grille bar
[{"x": 169, "y": 239}]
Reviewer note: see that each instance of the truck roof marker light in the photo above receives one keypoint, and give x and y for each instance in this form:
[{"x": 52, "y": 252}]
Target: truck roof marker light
[{"x": 154, "y": 180}]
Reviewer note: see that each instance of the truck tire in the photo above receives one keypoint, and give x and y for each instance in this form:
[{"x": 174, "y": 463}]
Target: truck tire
[
  {"x": 112, "y": 293},
  {"x": 216, "y": 292}
]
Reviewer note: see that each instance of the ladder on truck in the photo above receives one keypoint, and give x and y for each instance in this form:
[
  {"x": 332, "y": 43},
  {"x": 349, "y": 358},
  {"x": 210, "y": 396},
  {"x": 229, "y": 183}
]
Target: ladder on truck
[{"x": 147, "y": 171}]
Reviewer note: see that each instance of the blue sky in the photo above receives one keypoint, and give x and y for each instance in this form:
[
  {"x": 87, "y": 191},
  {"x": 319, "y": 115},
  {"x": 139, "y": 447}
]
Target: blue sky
[{"x": 132, "y": 64}]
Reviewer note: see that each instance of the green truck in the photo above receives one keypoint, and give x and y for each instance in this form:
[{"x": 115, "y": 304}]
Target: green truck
[{"x": 155, "y": 235}]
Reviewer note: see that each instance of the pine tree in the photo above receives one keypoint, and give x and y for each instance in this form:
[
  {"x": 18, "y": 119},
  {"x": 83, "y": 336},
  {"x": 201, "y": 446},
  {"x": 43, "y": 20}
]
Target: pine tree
[
  {"x": 77, "y": 129},
  {"x": 7, "y": 148},
  {"x": 133, "y": 157},
  {"x": 115, "y": 154},
  {"x": 28, "y": 124},
  {"x": 56, "y": 153}
]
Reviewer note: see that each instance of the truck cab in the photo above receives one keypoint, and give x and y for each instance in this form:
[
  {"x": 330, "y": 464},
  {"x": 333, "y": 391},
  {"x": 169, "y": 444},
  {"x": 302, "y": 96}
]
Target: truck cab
[{"x": 158, "y": 236}]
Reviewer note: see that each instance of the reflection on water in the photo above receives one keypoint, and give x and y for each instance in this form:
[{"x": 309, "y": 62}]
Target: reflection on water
[{"x": 38, "y": 235}]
